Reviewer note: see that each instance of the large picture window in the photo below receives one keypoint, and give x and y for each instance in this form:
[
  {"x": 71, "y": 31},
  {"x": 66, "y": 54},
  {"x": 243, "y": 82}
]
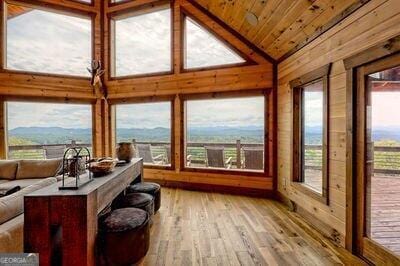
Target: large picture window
[
  {"x": 225, "y": 133},
  {"x": 310, "y": 133},
  {"x": 47, "y": 42},
  {"x": 142, "y": 43},
  {"x": 148, "y": 127},
  {"x": 44, "y": 130}
]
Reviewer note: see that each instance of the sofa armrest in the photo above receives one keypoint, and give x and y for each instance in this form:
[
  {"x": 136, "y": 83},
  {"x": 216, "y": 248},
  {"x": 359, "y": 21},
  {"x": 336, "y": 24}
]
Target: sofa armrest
[{"x": 13, "y": 205}]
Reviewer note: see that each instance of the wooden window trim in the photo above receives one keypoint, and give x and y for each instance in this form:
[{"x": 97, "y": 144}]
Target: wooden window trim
[
  {"x": 268, "y": 131},
  {"x": 137, "y": 100},
  {"x": 128, "y": 12},
  {"x": 187, "y": 14},
  {"x": 68, "y": 11},
  {"x": 367, "y": 247},
  {"x": 379, "y": 51},
  {"x": 320, "y": 74}
]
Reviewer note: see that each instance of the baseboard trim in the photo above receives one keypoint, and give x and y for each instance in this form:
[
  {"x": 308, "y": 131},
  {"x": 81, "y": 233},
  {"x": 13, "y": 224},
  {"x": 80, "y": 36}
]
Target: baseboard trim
[
  {"x": 326, "y": 230},
  {"x": 252, "y": 192}
]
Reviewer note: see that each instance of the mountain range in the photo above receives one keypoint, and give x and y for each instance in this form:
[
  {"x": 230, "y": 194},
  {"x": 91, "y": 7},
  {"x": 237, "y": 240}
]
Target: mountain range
[{"x": 251, "y": 134}]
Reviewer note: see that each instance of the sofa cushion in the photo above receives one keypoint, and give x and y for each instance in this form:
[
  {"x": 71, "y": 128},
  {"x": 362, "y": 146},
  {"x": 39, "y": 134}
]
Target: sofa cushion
[
  {"x": 13, "y": 205},
  {"x": 23, "y": 183},
  {"x": 38, "y": 168},
  {"x": 12, "y": 235},
  {"x": 8, "y": 169}
]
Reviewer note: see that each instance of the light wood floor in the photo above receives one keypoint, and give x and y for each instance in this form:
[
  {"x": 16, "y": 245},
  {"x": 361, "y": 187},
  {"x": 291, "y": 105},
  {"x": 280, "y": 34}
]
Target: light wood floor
[{"x": 198, "y": 228}]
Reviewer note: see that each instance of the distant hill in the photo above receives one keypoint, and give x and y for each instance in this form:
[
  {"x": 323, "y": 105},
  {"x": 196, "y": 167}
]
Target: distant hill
[
  {"x": 52, "y": 135},
  {"x": 55, "y": 135}
]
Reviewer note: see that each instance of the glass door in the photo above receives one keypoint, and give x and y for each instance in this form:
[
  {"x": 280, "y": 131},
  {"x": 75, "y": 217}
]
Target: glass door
[{"x": 378, "y": 158}]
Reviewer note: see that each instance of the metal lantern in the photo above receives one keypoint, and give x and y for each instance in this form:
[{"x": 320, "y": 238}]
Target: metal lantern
[{"x": 76, "y": 162}]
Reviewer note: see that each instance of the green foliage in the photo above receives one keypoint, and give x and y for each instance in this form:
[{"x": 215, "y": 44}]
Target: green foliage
[{"x": 17, "y": 141}]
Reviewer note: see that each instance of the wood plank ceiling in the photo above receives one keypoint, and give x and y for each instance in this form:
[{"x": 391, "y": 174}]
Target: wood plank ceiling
[{"x": 281, "y": 26}]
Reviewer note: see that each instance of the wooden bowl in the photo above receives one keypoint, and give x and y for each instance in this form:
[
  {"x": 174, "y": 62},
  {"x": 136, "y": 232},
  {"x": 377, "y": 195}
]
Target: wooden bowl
[{"x": 101, "y": 168}]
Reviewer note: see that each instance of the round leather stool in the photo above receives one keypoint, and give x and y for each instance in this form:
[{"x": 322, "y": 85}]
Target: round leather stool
[
  {"x": 124, "y": 236},
  {"x": 138, "y": 200},
  {"x": 153, "y": 189}
]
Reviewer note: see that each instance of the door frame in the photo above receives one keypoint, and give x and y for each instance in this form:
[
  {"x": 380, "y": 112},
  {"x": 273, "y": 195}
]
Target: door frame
[{"x": 377, "y": 58}]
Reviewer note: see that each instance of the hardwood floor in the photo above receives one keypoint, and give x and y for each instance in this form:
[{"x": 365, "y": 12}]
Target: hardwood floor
[{"x": 199, "y": 228}]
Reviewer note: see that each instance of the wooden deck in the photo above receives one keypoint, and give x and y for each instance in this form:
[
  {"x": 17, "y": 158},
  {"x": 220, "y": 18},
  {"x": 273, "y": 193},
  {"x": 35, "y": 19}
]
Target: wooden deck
[
  {"x": 385, "y": 208},
  {"x": 385, "y": 211},
  {"x": 200, "y": 228}
]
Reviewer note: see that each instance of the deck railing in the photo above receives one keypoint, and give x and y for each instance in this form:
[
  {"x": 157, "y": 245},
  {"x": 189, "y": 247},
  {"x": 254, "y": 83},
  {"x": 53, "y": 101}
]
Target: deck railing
[
  {"x": 198, "y": 154},
  {"x": 386, "y": 158},
  {"x": 37, "y": 151}
]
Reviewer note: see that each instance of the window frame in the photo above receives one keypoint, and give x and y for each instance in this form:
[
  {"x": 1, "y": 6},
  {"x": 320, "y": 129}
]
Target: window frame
[
  {"x": 90, "y": 15},
  {"x": 185, "y": 14},
  {"x": 31, "y": 99},
  {"x": 268, "y": 131},
  {"x": 131, "y": 12},
  {"x": 297, "y": 85},
  {"x": 146, "y": 100}
]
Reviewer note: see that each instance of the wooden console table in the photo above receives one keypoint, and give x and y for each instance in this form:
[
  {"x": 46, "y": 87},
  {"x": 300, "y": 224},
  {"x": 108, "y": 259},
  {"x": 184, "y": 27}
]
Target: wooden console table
[{"x": 61, "y": 225}]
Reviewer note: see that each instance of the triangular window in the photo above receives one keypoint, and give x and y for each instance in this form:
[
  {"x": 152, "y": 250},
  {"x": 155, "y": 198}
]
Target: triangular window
[{"x": 203, "y": 49}]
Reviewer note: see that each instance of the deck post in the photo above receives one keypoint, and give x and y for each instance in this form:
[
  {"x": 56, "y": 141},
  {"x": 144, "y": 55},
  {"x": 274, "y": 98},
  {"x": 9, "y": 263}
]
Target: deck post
[{"x": 238, "y": 154}]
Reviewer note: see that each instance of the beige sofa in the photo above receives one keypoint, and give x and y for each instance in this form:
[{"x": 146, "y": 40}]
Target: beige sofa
[{"x": 30, "y": 175}]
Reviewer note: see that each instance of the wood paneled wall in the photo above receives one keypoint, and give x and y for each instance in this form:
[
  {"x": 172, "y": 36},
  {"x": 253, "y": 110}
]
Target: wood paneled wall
[{"x": 375, "y": 22}]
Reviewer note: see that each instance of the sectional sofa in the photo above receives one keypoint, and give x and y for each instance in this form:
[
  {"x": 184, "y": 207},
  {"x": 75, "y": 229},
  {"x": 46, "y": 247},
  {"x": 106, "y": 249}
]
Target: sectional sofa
[{"x": 30, "y": 175}]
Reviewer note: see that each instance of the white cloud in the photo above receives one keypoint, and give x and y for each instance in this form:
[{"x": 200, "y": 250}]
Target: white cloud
[
  {"x": 22, "y": 114},
  {"x": 146, "y": 115},
  {"x": 236, "y": 112},
  {"x": 47, "y": 42},
  {"x": 143, "y": 43},
  {"x": 203, "y": 49}
]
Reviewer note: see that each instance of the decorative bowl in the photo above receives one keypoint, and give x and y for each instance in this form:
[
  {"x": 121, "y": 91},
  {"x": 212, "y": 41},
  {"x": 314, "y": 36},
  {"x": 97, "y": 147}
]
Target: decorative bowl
[{"x": 102, "y": 167}]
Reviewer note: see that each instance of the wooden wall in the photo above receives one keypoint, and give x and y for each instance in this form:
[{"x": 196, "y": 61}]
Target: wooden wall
[{"x": 375, "y": 22}]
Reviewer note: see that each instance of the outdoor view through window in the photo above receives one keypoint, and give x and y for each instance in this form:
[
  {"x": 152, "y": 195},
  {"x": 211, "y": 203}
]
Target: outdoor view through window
[
  {"x": 143, "y": 43},
  {"x": 47, "y": 42},
  {"x": 33, "y": 127},
  {"x": 148, "y": 125},
  {"x": 225, "y": 133},
  {"x": 312, "y": 126},
  {"x": 383, "y": 139},
  {"x": 203, "y": 49}
]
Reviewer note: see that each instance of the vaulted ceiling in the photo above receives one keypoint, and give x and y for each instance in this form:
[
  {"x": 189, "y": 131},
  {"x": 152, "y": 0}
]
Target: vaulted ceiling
[{"x": 280, "y": 27}]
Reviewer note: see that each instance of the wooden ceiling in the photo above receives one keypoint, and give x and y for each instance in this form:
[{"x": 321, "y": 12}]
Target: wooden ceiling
[
  {"x": 283, "y": 26},
  {"x": 14, "y": 11}
]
